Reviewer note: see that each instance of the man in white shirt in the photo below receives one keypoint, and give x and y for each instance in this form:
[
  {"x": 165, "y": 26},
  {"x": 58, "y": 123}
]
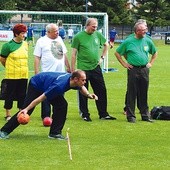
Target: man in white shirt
[
  {"x": 50, "y": 53},
  {"x": 70, "y": 34}
]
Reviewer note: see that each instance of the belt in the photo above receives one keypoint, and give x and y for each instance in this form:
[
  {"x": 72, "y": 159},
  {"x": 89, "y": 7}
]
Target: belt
[{"x": 143, "y": 66}]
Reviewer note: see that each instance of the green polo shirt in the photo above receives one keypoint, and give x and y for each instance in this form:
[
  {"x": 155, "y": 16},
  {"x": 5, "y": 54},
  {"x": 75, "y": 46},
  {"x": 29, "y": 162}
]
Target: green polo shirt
[{"x": 88, "y": 46}]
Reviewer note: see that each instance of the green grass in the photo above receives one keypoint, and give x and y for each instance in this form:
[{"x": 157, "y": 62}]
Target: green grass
[{"x": 104, "y": 145}]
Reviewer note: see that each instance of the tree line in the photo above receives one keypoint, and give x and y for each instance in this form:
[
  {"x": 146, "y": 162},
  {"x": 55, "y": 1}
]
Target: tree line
[{"x": 156, "y": 12}]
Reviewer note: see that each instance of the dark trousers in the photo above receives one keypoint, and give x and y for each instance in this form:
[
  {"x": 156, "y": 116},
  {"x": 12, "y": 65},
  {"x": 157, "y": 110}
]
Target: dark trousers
[
  {"x": 137, "y": 87},
  {"x": 45, "y": 109},
  {"x": 95, "y": 77},
  {"x": 16, "y": 90},
  {"x": 59, "y": 108},
  {"x": 126, "y": 102}
]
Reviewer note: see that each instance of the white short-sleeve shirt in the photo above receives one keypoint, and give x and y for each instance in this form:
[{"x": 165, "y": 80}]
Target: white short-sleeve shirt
[{"x": 51, "y": 52}]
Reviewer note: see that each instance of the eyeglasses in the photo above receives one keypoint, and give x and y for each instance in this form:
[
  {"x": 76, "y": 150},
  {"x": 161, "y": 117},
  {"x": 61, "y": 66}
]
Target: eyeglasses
[{"x": 94, "y": 27}]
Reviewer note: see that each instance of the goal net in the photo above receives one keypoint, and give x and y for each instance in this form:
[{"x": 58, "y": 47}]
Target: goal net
[
  {"x": 39, "y": 19},
  {"x": 39, "y": 27}
]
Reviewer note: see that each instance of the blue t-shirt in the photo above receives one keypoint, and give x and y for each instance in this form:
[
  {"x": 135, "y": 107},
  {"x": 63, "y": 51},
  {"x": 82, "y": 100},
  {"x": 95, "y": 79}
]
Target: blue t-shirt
[
  {"x": 113, "y": 33},
  {"x": 43, "y": 32},
  {"x": 52, "y": 83},
  {"x": 30, "y": 32},
  {"x": 62, "y": 33}
]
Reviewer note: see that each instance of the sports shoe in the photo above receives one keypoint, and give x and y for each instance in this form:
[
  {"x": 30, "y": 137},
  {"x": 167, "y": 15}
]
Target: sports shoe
[
  {"x": 148, "y": 120},
  {"x": 108, "y": 118},
  {"x": 125, "y": 111},
  {"x": 131, "y": 120},
  {"x": 7, "y": 118},
  {"x": 87, "y": 119},
  {"x": 58, "y": 136},
  {"x": 3, "y": 135}
]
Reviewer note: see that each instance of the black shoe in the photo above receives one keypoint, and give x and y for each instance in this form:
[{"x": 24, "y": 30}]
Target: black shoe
[
  {"x": 58, "y": 136},
  {"x": 148, "y": 120},
  {"x": 131, "y": 120},
  {"x": 87, "y": 118},
  {"x": 108, "y": 118}
]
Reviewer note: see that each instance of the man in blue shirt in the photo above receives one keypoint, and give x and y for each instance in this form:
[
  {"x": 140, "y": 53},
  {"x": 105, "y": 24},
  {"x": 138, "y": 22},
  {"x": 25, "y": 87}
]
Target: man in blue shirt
[
  {"x": 50, "y": 86},
  {"x": 113, "y": 35},
  {"x": 30, "y": 35}
]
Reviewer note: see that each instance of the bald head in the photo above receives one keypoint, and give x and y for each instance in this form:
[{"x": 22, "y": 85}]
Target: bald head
[{"x": 78, "y": 73}]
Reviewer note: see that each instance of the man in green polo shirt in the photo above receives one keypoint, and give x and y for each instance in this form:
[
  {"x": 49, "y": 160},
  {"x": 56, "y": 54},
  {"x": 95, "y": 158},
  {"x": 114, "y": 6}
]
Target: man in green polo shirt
[
  {"x": 137, "y": 49},
  {"x": 86, "y": 50}
]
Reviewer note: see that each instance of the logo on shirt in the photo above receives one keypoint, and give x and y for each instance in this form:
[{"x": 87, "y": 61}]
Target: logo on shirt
[
  {"x": 56, "y": 50},
  {"x": 146, "y": 48},
  {"x": 96, "y": 40}
]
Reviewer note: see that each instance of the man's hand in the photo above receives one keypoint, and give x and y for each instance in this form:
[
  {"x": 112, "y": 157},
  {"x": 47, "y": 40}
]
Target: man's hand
[
  {"x": 149, "y": 65},
  {"x": 127, "y": 65},
  {"x": 100, "y": 61},
  {"x": 92, "y": 96},
  {"x": 24, "y": 111}
]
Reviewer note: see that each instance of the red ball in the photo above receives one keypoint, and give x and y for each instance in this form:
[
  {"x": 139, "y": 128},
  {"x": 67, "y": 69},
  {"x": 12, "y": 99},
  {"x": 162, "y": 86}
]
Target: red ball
[
  {"x": 47, "y": 121},
  {"x": 23, "y": 118}
]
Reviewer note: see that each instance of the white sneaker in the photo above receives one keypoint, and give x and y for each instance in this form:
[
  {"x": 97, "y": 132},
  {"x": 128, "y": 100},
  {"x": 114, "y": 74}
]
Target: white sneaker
[
  {"x": 3, "y": 135},
  {"x": 7, "y": 118}
]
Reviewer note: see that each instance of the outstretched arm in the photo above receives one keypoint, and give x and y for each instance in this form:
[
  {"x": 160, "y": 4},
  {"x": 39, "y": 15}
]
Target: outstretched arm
[
  {"x": 85, "y": 92},
  {"x": 33, "y": 104}
]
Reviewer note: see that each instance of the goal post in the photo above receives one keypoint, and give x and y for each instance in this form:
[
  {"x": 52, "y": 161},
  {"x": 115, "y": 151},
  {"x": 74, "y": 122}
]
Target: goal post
[{"x": 41, "y": 18}]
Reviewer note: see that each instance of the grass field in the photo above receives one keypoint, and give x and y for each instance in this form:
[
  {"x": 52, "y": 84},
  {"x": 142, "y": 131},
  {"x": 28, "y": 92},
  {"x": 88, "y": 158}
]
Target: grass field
[{"x": 98, "y": 145}]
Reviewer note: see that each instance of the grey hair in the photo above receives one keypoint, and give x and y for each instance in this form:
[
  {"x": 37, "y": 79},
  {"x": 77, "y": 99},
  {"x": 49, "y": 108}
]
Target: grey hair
[
  {"x": 136, "y": 26},
  {"x": 50, "y": 26},
  {"x": 90, "y": 20},
  {"x": 141, "y": 20}
]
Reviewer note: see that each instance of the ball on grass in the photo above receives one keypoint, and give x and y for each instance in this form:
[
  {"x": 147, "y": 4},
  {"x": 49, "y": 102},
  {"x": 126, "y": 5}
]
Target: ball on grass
[
  {"x": 47, "y": 121},
  {"x": 23, "y": 118}
]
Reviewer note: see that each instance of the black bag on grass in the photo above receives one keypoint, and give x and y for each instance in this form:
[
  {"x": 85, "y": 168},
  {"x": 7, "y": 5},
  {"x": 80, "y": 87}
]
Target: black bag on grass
[{"x": 161, "y": 113}]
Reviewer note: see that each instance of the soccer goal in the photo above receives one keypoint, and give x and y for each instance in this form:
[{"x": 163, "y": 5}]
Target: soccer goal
[
  {"x": 39, "y": 19},
  {"x": 76, "y": 27}
]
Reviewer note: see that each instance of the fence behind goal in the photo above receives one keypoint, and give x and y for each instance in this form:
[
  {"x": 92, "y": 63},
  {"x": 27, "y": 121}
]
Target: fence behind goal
[{"x": 38, "y": 20}]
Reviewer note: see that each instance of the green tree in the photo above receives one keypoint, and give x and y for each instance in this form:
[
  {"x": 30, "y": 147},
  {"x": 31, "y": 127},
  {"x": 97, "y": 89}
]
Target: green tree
[
  {"x": 156, "y": 12},
  {"x": 116, "y": 9},
  {"x": 6, "y": 5},
  {"x": 50, "y": 5}
]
